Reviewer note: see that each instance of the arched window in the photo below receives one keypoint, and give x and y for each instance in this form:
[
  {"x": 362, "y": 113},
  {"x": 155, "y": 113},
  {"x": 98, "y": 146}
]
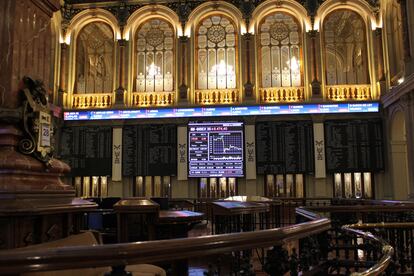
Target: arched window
[
  {"x": 155, "y": 57},
  {"x": 216, "y": 43},
  {"x": 345, "y": 48},
  {"x": 280, "y": 51},
  {"x": 94, "y": 59}
]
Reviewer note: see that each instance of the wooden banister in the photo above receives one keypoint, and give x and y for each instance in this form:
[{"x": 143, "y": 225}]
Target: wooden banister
[
  {"x": 387, "y": 252},
  {"x": 123, "y": 254},
  {"x": 153, "y": 251}
]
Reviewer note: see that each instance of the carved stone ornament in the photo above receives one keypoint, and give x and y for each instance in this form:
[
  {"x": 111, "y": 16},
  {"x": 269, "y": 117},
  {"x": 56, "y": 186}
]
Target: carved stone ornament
[
  {"x": 155, "y": 37},
  {"x": 37, "y": 122},
  {"x": 216, "y": 33},
  {"x": 279, "y": 31}
]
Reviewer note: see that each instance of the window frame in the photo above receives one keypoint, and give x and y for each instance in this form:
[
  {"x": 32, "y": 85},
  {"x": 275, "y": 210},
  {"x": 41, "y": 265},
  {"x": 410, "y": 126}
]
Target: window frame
[{"x": 236, "y": 52}]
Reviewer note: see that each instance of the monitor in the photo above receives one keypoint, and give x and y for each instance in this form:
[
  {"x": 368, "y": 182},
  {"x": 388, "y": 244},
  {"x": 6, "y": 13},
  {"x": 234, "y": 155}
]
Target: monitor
[{"x": 216, "y": 149}]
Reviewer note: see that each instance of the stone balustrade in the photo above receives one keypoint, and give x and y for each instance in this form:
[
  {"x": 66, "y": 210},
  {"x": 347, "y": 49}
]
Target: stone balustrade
[
  {"x": 153, "y": 98},
  {"x": 349, "y": 92},
  {"x": 281, "y": 94},
  {"x": 91, "y": 101},
  {"x": 217, "y": 96}
]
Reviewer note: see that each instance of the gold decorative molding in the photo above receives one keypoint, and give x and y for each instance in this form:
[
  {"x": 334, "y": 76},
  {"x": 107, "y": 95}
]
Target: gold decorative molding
[
  {"x": 153, "y": 98},
  {"x": 101, "y": 100},
  {"x": 349, "y": 92},
  {"x": 281, "y": 94},
  {"x": 217, "y": 96}
]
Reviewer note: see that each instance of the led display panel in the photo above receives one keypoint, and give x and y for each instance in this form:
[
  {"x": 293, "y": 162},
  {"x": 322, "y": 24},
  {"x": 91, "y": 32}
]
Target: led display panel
[{"x": 216, "y": 149}]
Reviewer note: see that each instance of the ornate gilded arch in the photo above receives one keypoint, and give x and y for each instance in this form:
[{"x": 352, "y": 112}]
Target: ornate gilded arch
[{"x": 346, "y": 28}]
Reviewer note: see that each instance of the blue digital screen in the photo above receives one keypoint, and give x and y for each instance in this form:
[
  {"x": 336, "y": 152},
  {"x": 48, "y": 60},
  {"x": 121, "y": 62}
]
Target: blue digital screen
[
  {"x": 215, "y": 149},
  {"x": 220, "y": 111}
]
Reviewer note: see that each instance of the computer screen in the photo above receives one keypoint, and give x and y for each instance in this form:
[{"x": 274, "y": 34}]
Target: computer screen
[{"x": 216, "y": 149}]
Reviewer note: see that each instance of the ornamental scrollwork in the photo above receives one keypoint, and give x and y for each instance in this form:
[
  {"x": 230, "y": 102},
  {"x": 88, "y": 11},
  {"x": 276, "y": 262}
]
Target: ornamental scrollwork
[{"x": 37, "y": 122}]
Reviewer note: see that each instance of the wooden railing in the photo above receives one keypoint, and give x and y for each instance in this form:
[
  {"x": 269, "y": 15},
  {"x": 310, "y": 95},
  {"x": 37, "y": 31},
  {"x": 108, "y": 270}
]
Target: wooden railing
[
  {"x": 217, "y": 96},
  {"x": 153, "y": 251},
  {"x": 153, "y": 98},
  {"x": 281, "y": 94},
  {"x": 386, "y": 250},
  {"x": 91, "y": 101},
  {"x": 322, "y": 246},
  {"x": 349, "y": 92}
]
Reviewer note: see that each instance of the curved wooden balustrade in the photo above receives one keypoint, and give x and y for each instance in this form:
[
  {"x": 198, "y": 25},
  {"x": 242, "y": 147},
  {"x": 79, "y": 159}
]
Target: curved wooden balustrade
[
  {"x": 387, "y": 251},
  {"x": 217, "y": 96},
  {"x": 122, "y": 254},
  {"x": 281, "y": 94},
  {"x": 153, "y": 98},
  {"x": 349, "y": 92},
  {"x": 153, "y": 251},
  {"x": 102, "y": 100}
]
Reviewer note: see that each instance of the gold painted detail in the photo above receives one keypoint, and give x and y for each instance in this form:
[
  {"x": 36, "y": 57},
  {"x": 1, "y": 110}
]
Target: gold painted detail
[
  {"x": 103, "y": 100},
  {"x": 350, "y": 92},
  {"x": 281, "y": 94},
  {"x": 220, "y": 96},
  {"x": 153, "y": 98}
]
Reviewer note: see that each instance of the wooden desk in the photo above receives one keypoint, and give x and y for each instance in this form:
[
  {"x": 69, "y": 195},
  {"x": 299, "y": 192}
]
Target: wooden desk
[
  {"x": 176, "y": 224},
  {"x": 136, "y": 219},
  {"x": 273, "y": 218},
  {"x": 141, "y": 219},
  {"x": 238, "y": 216},
  {"x": 179, "y": 217}
]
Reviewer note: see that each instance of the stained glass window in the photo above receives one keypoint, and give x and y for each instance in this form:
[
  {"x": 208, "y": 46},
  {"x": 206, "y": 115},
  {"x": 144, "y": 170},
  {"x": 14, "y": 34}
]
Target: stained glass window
[
  {"x": 280, "y": 51},
  {"x": 94, "y": 59},
  {"x": 216, "y": 53},
  {"x": 155, "y": 57},
  {"x": 345, "y": 48}
]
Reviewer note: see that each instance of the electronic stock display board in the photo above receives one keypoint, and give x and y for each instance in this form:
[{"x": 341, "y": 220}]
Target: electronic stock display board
[
  {"x": 215, "y": 149},
  {"x": 220, "y": 111}
]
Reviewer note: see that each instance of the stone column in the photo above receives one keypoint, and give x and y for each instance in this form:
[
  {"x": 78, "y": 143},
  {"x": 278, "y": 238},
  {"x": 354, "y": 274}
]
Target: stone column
[
  {"x": 379, "y": 55},
  {"x": 405, "y": 17},
  {"x": 63, "y": 74},
  {"x": 379, "y": 52},
  {"x": 120, "y": 91},
  {"x": 405, "y": 29},
  {"x": 248, "y": 61},
  {"x": 408, "y": 104},
  {"x": 183, "y": 69},
  {"x": 316, "y": 84}
]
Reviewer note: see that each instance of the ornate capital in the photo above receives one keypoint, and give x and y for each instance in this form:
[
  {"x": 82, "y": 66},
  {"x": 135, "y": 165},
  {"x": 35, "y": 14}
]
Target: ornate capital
[
  {"x": 64, "y": 46},
  {"x": 313, "y": 33},
  {"x": 183, "y": 39},
  {"x": 122, "y": 42},
  {"x": 247, "y": 36}
]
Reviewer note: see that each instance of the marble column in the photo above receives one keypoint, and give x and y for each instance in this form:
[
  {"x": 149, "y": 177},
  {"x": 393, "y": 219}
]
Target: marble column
[{"x": 31, "y": 190}]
